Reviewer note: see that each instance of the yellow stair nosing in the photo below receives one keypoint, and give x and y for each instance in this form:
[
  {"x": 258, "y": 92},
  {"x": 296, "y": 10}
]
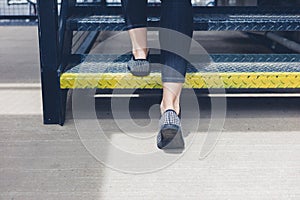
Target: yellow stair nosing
[{"x": 193, "y": 80}]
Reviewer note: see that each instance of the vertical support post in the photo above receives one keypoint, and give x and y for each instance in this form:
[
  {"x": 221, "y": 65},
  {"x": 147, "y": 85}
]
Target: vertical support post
[
  {"x": 49, "y": 61},
  {"x": 65, "y": 35}
]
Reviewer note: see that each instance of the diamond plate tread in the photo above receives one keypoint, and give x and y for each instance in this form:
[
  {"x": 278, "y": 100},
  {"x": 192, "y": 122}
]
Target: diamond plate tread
[
  {"x": 97, "y": 63},
  {"x": 213, "y": 22},
  {"x": 255, "y": 57},
  {"x": 107, "y": 72},
  {"x": 195, "y": 80}
]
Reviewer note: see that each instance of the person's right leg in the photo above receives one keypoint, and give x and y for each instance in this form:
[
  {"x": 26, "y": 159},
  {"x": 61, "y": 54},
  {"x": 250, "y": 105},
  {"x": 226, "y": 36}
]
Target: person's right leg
[
  {"x": 171, "y": 97},
  {"x": 175, "y": 39}
]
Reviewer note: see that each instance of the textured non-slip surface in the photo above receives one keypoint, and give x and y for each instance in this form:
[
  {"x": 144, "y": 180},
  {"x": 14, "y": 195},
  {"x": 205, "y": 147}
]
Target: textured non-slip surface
[
  {"x": 214, "y": 22},
  {"x": 215, "y": 63},
  {"x": 228, "y": 71}
]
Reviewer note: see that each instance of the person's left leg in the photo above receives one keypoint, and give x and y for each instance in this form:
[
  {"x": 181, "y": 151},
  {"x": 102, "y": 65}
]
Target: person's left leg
[
  {"x": 135, "y": 13},
  {"x": 136, "y": 20},
  {"x": 138, "y": 38}
]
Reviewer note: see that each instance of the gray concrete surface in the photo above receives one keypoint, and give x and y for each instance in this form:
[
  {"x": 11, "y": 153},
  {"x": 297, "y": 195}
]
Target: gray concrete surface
[
  {"x": 19, "y": 54},
  {"x": 256, "y": 157}
]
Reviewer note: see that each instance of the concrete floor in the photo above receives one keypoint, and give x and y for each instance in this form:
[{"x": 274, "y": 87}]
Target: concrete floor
[
  {"x": 256, "y": 157},
  {"x": 19, "y": 55}
]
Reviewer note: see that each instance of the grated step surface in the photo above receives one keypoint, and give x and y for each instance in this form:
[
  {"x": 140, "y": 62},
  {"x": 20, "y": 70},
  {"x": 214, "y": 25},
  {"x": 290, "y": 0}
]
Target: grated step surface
[
  {"x": 207, "y": 22},
  {"x": 223, "y": 71}
]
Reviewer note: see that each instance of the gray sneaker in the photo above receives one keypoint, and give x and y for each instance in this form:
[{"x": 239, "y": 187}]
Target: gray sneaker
[
  {"x": 139, "y": 67},
  {"x": 170, "y": 134}
]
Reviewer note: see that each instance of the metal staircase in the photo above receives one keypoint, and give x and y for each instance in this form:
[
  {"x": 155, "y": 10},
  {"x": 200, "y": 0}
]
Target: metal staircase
[{"x": 238, "y": 71}]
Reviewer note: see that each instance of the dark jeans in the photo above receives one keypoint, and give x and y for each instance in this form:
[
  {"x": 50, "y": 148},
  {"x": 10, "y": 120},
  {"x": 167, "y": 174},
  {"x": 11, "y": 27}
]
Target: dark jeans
[{"x": 176, "y": 15}]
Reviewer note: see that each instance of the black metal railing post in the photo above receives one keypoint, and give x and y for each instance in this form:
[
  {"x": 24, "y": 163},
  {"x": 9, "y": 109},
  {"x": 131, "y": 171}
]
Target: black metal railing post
[{"x": 49, "y": 61}]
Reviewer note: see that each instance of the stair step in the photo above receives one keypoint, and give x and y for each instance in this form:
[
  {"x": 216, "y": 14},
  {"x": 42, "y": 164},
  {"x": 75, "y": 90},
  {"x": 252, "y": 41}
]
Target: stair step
[
  {"x": 207, "y": 22},
  {"x": 238, "y": 71}
]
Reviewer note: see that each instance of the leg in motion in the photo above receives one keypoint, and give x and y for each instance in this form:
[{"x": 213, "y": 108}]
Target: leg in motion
[{"x": 177, "y": 16}]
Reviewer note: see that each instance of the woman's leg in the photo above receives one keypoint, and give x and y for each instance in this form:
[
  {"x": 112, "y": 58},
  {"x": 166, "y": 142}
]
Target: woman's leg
[
  {"x": 171, "y": 97},
  {"x": 138, "y": 38},
  {"x": 177, "y": 15},
  {"x": 136, "y": 20}
]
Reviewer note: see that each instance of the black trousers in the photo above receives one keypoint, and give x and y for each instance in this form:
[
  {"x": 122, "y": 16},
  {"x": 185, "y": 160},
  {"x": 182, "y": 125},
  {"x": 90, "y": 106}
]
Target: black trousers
[{"x": 177, "y": 16}]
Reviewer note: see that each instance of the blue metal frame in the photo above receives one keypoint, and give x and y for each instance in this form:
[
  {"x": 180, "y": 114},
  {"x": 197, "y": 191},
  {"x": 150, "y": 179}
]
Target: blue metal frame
[
  {"x": 65, "y": 35},
  {"x": 53, "y": 96},
  {"x": 55, "y": 41}
]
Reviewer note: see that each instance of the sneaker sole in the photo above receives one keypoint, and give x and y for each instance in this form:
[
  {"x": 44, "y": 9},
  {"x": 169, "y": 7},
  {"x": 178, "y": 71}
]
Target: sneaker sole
[
  {"x": 140, "y": 73},
  {"x": 171, "y": 138}
]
